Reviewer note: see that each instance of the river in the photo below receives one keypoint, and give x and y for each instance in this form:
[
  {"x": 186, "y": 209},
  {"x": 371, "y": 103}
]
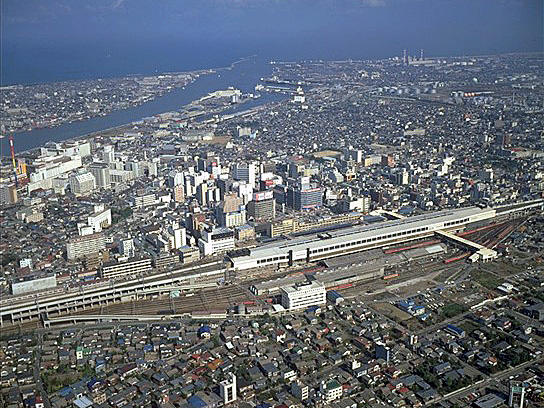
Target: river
[{"x": 243, "y": 75}]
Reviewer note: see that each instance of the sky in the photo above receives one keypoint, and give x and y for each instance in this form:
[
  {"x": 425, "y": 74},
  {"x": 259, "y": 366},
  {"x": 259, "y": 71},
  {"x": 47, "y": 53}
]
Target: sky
[{"x": 56, "y": 38}]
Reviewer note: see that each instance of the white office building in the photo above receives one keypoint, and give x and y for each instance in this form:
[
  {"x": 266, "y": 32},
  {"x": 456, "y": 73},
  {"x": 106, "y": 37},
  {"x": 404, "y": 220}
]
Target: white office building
[
  {"x": 45, "y": 169},
  {"x": 216, "y": 240},
  {"x": 133, "y": 267},
  {"x": 303, "y": 295},
  {"x": 330, "y": 390},
  {"x": 100, "y": 219}
]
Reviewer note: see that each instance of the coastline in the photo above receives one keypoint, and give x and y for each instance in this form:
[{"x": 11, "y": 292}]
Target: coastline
[
  {"x": 196, "y": 73},
  {"x": 220, "y": 78}
]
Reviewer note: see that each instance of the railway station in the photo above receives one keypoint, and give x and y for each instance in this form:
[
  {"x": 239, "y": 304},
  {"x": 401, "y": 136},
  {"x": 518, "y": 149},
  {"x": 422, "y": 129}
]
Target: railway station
[{"x": 361, "y": 238}]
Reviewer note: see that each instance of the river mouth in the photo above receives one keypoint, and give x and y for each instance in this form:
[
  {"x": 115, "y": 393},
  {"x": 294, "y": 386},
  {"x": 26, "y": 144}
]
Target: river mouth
[{"x": 243, "y": 75}]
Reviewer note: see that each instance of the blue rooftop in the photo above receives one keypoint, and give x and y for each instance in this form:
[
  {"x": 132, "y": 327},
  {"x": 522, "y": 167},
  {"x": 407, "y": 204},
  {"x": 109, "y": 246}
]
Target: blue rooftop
[{"x": 196, "y": 402}]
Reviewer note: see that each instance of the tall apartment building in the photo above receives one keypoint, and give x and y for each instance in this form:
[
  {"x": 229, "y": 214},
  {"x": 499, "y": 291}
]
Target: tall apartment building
[
  {"x": 8, "y": 194},
  {"x": 144, "y": 200},
  {"x": 300, "y": 390},
  {"x": 227, "y": 389},
  {"x": 202, "y": 194},
  {"x": 179, "y": 193},
  {"x": 109, "y": 154},
  {"x": 80, "y": 246},
  {"x": 303, "y": 295},
  {"x": 101, "y": 173}
]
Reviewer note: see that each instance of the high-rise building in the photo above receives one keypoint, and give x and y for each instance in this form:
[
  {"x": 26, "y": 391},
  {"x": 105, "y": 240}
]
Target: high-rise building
[
  {"x": 244, "y": 172},
  {"x": 215, "y": 240},
  {"x": 280, "y": 194},
  {"x": 383, "y": 352},
  {"x": 231, "y": 212},
  {"x": 45, "y": 169},
  {"x": 225, "y": 186},
  {"x": 231, "y": 202},
  {"x": 179, "y": 193},
  {"x": 126, "y": 247},
  {"x": 8, "y": 194},
  {"x": 177, "y": 237},
  {"x": 402, "y": 177},
  {"x": 245, "y": 191},
  {"x": 202, "y": 194},
  {"x": 227, "y": 389},
  {"x": 300, "y": 390},
  {"x": 263, "y": 206},
  {"x": 101, "y": 173},
  {"x": 304, "y": 197},
  {"x": 109, "y": 154},
  {"x": 175, "y": 178}
]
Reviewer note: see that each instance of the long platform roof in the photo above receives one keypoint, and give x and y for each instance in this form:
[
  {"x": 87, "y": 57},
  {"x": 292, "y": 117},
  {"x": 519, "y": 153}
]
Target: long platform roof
[{"x": 364, "y": 232}]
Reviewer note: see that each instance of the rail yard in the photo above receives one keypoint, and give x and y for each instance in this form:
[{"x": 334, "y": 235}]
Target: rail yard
[{"x": 214, "y": 288}]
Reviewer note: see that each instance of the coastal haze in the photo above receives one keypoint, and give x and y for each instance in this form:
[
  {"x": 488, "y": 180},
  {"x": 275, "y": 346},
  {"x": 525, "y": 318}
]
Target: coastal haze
[
  {"x": 117, "y": 38},
  {"x": 272, "y": 204},
  {"x": 61, "y": 40}
]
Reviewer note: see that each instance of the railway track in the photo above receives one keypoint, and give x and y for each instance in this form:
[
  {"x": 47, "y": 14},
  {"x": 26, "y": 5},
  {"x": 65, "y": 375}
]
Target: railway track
[{"x": 228, "y": 296}]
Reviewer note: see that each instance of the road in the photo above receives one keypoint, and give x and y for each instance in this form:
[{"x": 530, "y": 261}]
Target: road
[
  {"x": 36, "y": 368},
  {"x": 486, "y": 381}
]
